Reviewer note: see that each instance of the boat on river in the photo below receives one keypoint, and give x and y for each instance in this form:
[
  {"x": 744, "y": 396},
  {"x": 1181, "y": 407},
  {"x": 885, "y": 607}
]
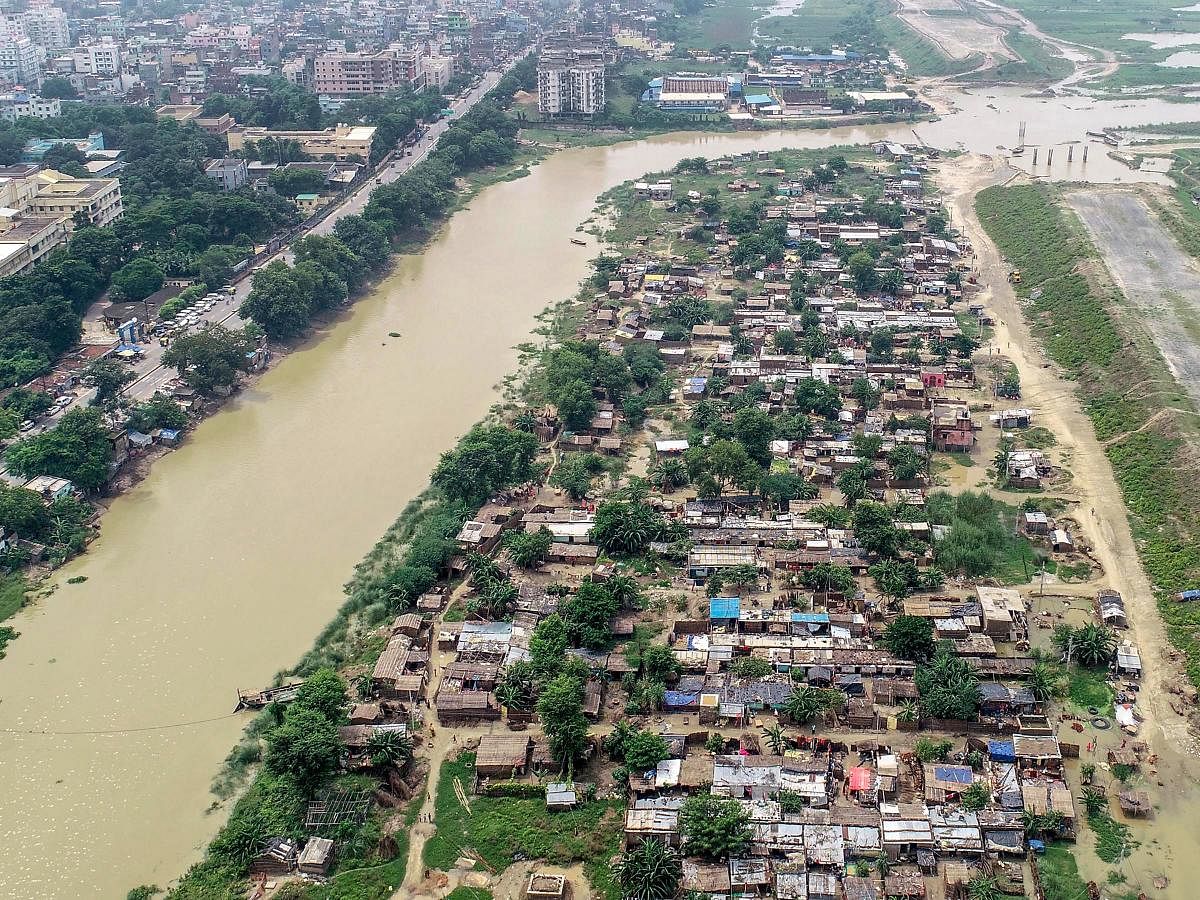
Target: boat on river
[
  {"x": 267, "y": 696},
  {"x": 578, "y": 243}
]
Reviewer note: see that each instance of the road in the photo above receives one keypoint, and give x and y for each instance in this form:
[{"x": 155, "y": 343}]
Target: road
[{"x": 152, "y": 375}]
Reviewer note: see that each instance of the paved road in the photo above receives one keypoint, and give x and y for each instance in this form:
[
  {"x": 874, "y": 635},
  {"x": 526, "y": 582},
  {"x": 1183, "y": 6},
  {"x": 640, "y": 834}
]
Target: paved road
[{"x": 152, "y": 375}]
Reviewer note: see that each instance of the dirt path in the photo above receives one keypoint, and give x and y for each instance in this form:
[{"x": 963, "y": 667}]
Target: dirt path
[{"x": 1102, "y": 519}]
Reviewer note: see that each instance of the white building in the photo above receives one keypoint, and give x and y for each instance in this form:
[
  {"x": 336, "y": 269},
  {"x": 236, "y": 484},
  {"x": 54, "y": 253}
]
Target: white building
[
  {"x": 20, "y": 106},
  {"x": 20, "y": 62},
  {"x": 571, "y": 83},
  {"x": 47, "y": 27}
]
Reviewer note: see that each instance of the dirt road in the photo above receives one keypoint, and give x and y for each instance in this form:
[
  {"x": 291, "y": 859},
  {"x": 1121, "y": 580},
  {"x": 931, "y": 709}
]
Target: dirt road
[{"x": 1102, "y": 518}]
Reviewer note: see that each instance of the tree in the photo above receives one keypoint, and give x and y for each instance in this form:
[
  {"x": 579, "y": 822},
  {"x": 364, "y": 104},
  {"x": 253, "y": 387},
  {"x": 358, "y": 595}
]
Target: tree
[
  {"x": 976, "y": 796},
  {"x": 1094, "y": 645},
  {"x": 861, "y": 267},
  {"x": 910, "y": 637},
  {"x": 278, "y": 302},
  {"x": 806, "y": 702},
  {"x": 751, "y": 667},
  {"x": 138, "y": 279},
  {"x": 488, "y": 459},
  {"x": 390, "y": 747},
  {"x": 720, "y": 465},
  {"x": 776, "y": 739},
  {"x": 548, "y": 645},
  {"x": 1043, "y": 681},
  {"x": 158, "y": 412},
  {"x": 28, "y": 404},
  {"x": 576, "y": 405},
  {"x": 906, "y": 463},
  {"x": 365, "y": 238},
  {"x": 669, "y": 474},
  {"x": 109, "y": 377},
  {"x": 560, "y": 708},
  {"x": 852, "y": 485},
  {"x": 325, "y": 692},
  {"x": 528, "y": 549},
  {"x": 828, "y": 578},
  {"x": 288, "y": 182},
  {"x": 875, "y": 529},
  {"x": 649, "y": 871},
  {"x": 575, "y": 473},
  {"x": 947, "y": 686},
  {"x": 210, "y": 359},
  {"x": 754, "y": 430},
  {"x": 331, "y": 254},
  {"x": 785, "y": 341},
  {"x": 714, "y": 828},
  {"x": 626, "y": 526},
  {"x": 324, "y": 288},
  {"x": 588, "y": 614},
  {"x": 305, "y": 747},
  {"x": 23, "y": 511},
  {"x": 77, "y": 449},
  {"x": 58, "y": 87},
  {"x": 660, "y": 664},
  {"x": 644, "y": 750},
  {"x": 782, "y": 487}
]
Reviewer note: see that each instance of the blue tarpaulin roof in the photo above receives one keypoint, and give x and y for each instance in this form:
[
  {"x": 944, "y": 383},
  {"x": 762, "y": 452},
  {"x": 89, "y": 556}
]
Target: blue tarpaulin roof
[
  {"x": 953, "y": 774},
  {"x": 679, "y": 698},
  {"x": 815, "y": 618},
  {"x": 724, "y": 607},
  {"x": 1002, "y": 751}
]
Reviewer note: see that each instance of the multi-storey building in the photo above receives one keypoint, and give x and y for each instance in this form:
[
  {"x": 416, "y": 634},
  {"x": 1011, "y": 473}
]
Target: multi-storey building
[
  {"x": 22, "y": 106},
  {"x": 20, "y": 62},
  {"x": 356, "y": 74},
  {"x": 25, "y": 239},
  {"x": 47, "y": 27},
  {"x": 571, "y": 83},
  {"x": 97, "y": 199}
]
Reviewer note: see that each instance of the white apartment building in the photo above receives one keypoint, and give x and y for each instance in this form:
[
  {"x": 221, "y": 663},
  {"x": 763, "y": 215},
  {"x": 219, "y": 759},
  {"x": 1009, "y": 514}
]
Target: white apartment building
[
  {"x": 47, "y": 27},
  {"x": 20, "y": 62},
  {"x": 571, "y": 83},
  {"x": 98, "y": 199},
  {"x": 21, "y": 106}
]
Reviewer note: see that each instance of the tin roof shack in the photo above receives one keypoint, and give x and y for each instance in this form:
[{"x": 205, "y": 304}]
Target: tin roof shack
[
  {"x": 456, "y": 707},
  {"x": 906, "y": 830},
  {"x": 709, "y": 879},
  {"x": 753, "y": 777},
  {"x": 656, "y": 818},
  {"x": 1038, "y": 752},
  {"x": 955, "y": 832},
  {"x": 479, "y": 537},
  {"x": 944, "y": 782},
  {"x": 1042, "y": 795},
  {"x": 855, "y": 888},
  {"x": 317, "y": 857},
  {"x": 544, "y": 886},
  {"x": 278, "y": 857},
  {"x": 707, "y": 560},
  {"x": 1111, "y": 608},
  {"x": 1003, "y": 613},
  {"x": 750, "y": 875},
  {"x": 502, "y": 755}
]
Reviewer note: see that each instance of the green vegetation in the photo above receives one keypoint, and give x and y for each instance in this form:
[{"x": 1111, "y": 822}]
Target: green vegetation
[
  {"x": 982, "y": 539},
  {"x": 500, "y": 828},
  {"x": 1060, "y": 873},
  {"x": 1088, "y": 688},
  {"x": 1086, "y": 332},
  {"x": 723, "y": 22},
  {"x": 1038, "y": 62}
]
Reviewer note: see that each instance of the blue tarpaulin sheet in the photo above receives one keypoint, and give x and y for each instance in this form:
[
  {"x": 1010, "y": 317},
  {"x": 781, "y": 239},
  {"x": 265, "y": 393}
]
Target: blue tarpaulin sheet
[
  {"x": 724, "y": 607},
  {"x": 1002, "y": 751},
  {"x": 952, "y": 774},
  {"x": 679, "y": 698}
]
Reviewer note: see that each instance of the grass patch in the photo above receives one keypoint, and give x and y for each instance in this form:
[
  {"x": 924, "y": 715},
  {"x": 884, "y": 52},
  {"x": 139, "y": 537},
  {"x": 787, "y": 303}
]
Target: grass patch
[
  {"x": 1113, "y": 842},
  {"x": 723, "y": 22},
  {"x": 1122, "y": 381},
  {"x": 1087, "y": 687},
  {"x": 372, "y": 883},
  {"x": 1038, "y": 437},
  {"x": 499, "y": 829},
  {"x": 1060, "y": 873},
  {"x": 1037, "y": 63},
  {"x": 469, "y": 893},
  {"x": 12, "y": 595}
]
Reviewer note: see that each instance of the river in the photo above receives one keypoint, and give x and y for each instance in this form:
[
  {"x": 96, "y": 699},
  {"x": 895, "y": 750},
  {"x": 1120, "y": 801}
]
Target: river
[{"x": 220, "y": 568}]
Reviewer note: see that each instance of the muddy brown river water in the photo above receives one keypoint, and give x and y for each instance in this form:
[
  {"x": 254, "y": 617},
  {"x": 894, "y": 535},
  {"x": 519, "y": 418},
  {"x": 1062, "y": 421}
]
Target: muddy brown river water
[{"x": 221, "y": 567}]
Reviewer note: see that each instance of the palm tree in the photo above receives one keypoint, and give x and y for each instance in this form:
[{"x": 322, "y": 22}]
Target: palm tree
[
  {"x": 1094, "y": 801},
  {"x": 625, "y": 591},
  {"x": 910, "y": 712},
  {"x": 649, "y": 871},
  {"x": 1094, "y": 645},
  {"x": 775, "y": 739},
  {"x": 668, "y": 475},
  {"x": 805, "y": 703},
  {"x": 390, "y": 747},
  {"x": 984, "y": 887},
  {"x": 1043, "y": 681},
  {"x": 882, "y": 865}
]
